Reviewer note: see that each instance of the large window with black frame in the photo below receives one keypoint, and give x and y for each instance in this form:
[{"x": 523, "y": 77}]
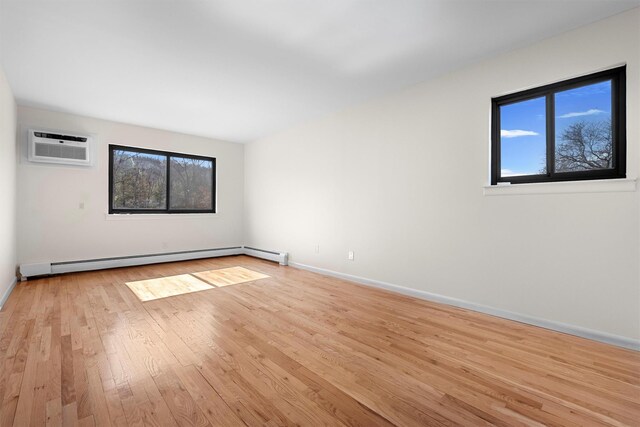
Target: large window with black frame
[
  {"x": 150, "y": 181},
  {"x": 571, "y": 130}
]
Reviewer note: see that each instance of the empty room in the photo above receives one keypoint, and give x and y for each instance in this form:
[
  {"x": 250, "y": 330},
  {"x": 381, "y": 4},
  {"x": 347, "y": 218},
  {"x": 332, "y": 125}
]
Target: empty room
[{"x": 319, "y": 213}]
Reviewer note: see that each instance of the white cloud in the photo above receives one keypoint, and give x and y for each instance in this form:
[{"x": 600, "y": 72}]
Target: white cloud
[
  {"x": 509, "y": 172},
  {"x": 590, "y": 112},
  {"x": 516, "y": 132}
]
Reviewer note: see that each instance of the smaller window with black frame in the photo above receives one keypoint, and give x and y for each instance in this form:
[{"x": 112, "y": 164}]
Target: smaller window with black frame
[
  {"x": 145, "y": 181},
  {"x": 567, "y": 131}
]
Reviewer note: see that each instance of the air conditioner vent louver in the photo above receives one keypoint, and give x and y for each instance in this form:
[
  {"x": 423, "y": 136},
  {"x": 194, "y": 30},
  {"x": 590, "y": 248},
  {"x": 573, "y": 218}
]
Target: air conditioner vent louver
[
  {"x": 61, "y": 151},
  {"x": 61, "y": 148}
]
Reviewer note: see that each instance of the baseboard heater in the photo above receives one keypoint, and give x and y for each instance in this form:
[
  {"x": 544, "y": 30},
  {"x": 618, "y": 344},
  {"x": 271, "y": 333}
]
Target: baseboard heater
[
  {"x": 280, "y": 257},
  {"x": 42, "y": 269}
]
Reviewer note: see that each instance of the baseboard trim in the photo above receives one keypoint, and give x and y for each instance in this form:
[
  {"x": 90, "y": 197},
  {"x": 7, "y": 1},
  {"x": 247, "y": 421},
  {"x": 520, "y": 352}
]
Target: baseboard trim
[
  {"x": 7, "y": 293},
  {"x": 579, "y": 331}
]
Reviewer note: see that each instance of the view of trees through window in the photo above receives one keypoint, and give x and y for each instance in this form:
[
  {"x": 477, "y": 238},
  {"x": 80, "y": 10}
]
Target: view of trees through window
[
  {"x": 190, "y": 183},
  {"x": 584, "y": 133},
  {"x": 139, "y": 181},
  {"x": 582, "y": 126},
  {"x": 585, "y": 146},
  {"x": 560, "y": 132}
]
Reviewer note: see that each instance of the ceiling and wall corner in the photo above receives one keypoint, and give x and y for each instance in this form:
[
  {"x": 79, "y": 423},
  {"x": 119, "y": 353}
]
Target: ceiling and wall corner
[{"x": 241, "y": 70}]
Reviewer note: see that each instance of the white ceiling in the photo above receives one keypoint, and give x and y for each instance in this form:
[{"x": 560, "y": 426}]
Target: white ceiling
[{"x": 242, "y": 69}]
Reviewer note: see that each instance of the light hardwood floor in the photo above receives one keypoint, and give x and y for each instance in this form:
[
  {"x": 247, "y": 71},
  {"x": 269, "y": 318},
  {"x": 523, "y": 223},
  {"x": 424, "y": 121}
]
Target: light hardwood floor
[{"x": 294, "y": 348}]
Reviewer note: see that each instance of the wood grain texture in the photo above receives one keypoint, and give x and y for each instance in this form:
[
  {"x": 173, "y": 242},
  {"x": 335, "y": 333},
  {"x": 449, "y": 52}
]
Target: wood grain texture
[{"x": 295, "y": 348}]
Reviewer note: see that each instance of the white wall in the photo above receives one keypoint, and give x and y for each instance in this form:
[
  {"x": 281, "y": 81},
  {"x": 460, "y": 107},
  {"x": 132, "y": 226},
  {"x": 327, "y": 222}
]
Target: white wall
[
  {"x": 400, "y": 181},
  {"x": 7, "y": 187},
  {"x": 53, "y": 227}
]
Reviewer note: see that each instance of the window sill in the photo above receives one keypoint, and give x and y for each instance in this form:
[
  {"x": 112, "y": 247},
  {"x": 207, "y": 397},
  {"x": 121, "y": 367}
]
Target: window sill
[
  {"x": 592, "y": 186},
  {"x": 142, "y": 217}
]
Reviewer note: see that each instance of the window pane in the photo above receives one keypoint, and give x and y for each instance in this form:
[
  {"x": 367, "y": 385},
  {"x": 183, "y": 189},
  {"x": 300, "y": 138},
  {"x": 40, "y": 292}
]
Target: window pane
[
  {"x": 139, "y": 180},
  {"x": 583, "y": 128},
  {"x": 191, "y": 182},
  {"x": 522, "y": 138}
]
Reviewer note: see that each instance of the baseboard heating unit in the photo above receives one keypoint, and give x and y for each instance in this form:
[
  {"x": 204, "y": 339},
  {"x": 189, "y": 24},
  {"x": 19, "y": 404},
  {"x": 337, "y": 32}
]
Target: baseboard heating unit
[
  {"x": 280, "y": 257},
  {"x": 44, "y": 268}
]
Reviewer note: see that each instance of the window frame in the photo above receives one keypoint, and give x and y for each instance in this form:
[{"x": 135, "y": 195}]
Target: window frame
[
  {"x": 168, "y": 155},
  {"x": 618, "y": 122}
]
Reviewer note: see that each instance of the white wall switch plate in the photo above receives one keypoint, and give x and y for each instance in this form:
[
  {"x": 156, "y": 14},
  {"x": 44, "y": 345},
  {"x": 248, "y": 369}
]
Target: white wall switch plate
[{"x": 350, "y": 256}]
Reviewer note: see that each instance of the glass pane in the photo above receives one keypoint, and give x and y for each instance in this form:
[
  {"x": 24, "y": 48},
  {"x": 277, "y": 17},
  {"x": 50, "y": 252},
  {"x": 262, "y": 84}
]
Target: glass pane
[
  {"x": 139, "y": 180},
  {"x": 583, "y": 128},
  {"x": 523, "y": 147},
  {"x": 191, "y": 182}
]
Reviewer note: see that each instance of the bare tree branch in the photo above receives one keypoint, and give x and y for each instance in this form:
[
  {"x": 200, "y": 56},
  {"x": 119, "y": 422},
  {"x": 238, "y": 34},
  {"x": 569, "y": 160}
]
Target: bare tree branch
[{"x": 585, "y": 146}]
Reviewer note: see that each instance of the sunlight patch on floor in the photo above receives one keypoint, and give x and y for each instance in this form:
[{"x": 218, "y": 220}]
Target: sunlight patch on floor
[
  {"x": 163, "y": 287},
  {"x": 229, "y": 276}
]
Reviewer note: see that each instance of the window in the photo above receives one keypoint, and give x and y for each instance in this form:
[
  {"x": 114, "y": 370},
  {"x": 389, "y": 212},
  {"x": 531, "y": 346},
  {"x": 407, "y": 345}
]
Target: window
[
  {"x": 149, "y": 181},
  {"x": 572, "y": 130}
]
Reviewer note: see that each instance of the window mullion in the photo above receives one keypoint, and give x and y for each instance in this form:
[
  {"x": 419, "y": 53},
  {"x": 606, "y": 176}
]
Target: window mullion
[
  {"x": 168, "y": 207},
  {"x": 551, "y": 134}
]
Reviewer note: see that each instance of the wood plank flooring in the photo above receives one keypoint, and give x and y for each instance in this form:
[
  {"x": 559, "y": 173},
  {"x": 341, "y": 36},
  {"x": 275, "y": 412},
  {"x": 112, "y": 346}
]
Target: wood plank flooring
[{"x": 295, "y": 348}]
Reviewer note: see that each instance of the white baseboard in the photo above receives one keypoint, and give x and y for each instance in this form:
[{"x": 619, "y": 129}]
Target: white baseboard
[
  {"x": 523, "y": 318},
  {"x": 4, "y": 297}
]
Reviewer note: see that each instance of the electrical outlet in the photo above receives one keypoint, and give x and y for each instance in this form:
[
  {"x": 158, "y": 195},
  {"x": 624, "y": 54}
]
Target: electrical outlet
[
  {"x": 350, "y": 256},
  {"x": 317, "y": 248}
]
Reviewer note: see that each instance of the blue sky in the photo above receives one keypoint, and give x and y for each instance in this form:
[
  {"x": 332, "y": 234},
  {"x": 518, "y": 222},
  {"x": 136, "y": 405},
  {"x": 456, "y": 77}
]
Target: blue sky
[{"x": 523, "y": 125}]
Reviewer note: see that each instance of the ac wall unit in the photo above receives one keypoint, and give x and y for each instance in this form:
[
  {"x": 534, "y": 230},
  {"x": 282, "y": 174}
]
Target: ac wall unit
[{"x": 61, "y": 148}]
